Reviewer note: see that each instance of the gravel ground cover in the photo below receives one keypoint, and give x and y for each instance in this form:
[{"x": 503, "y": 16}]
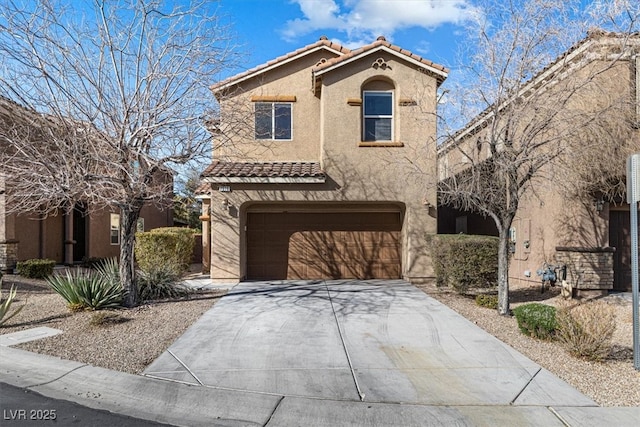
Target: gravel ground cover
[
  {"x": 613, "y": 382},
  {"x": 129, "y": 339}
]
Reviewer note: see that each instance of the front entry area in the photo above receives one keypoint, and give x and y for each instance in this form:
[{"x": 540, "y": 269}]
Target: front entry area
[
  {"x": 316, "y": 245},
  {"x": 620, "y": 238}
]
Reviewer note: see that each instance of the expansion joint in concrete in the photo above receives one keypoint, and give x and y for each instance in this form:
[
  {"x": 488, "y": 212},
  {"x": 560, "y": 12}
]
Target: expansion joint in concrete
[
  {"x": 185, "y": 367},
  {"x": 274, "y": 411},
  {"x": 525, "y": 386},
  {"x": 58, "y": 378},
  {"x": 562, "y": 420},
  {"x": 344, "y": 346}
]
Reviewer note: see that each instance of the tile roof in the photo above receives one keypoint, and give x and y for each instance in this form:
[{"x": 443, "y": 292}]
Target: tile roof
[
  {"x": 220, "y": 169},
  {"x": 323, "y": 42},
  {"x": 203, "y": 188},
  {"x": 380, "y": 42},
  {"x": 344, "y": 53}
]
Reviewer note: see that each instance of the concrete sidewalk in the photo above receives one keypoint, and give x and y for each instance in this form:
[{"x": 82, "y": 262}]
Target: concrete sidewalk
[{"x": 325, "y": 353}]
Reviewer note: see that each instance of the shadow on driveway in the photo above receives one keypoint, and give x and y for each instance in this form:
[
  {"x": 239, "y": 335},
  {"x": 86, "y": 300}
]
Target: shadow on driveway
[{"x": 377, "y": 341}]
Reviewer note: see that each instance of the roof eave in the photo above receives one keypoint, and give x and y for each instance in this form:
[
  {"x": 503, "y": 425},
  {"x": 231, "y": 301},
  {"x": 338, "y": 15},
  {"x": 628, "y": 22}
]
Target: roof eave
[
  {"x": 232, "y": 81},
  {"x": 441, "y": 73},
  {"x": 567, "y": 57},
  {"x": 265, "y": 180}
]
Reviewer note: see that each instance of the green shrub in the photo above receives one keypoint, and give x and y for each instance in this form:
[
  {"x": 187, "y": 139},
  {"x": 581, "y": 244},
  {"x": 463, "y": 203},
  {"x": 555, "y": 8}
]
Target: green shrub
[
  {"x": 36, "y": 268},
  {"x": 87, "y": 290},
  {"x": 586, "y": 330},
  {"x": 160, "y": 282},
  {"x": 464, "y": 261},
  {"x": 488, "y": 301},
  {"x": 536, "y": 320},
  {"x": 5, "y": 305},
  {"x": 167, "y": 246}
]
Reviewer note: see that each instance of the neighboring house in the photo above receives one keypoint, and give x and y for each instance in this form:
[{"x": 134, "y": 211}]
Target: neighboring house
[
  {"x": 589, "y": 232},
  {"x": 324, "y": 166},
  {"x": 67, "y": 238}
]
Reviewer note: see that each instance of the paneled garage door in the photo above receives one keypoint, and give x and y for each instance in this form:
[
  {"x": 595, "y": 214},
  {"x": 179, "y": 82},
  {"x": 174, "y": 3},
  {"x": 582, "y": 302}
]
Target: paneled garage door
[{"x": 362, "y": 245}]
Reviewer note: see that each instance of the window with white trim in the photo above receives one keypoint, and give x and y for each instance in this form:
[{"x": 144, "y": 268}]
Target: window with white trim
[
  {"x": 114, "y": 229},
  {"x": 377, "y": 115},
  {"x": 273, "y": 120}
]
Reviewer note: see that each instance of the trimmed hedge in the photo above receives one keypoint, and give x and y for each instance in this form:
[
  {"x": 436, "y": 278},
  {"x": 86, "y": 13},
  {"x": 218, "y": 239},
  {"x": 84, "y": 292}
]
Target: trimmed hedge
[
  {"x": 465, "y": 261},
  {"x": 536, "y": 320},
  {"x": 165, "y": 246},
  {"x": 36, "y": 268}
]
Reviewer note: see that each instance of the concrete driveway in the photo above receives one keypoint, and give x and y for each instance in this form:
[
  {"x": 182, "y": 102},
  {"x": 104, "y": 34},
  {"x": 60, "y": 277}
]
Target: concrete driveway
[{"x": 373, "y": 341}]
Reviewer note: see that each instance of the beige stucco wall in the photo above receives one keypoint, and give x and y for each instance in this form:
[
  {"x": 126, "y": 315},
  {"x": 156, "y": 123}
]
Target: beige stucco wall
[
  {"x": 44, "y": 237},
  {"x": 550, "y": 221},
  {"x": 99, "y": 245},
  {"x": 327, "y": 129},
  {"x": 40, "y": 237},
  {"x": 293, "y": 79},
  {"x": 547, "y": 216}
]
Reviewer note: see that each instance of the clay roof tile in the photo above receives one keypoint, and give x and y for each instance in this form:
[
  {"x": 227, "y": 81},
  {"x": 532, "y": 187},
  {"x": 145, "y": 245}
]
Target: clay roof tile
[
  {"x": 255, "y": 70},
  {"x": 219, "y": 169}
]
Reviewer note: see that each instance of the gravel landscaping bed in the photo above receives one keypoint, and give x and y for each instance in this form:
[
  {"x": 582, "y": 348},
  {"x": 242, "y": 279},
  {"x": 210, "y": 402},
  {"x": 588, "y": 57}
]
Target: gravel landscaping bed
[
  {"x": 613, "y": 382},
  {"x": 128, "y": 340}
]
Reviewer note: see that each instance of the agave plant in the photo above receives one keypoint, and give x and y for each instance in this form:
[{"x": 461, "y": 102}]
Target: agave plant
[
  {"x": 86, "y": 290},
  {"x": 160, "y": 282},
  {"x": 109, "y": 269},
  {"x": 5, "y": 305},
  {"x": 64, "y": 285}
]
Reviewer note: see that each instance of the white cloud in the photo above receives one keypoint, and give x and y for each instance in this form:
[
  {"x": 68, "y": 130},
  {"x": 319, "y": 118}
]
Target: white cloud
[{"x": 367, "y": 19}]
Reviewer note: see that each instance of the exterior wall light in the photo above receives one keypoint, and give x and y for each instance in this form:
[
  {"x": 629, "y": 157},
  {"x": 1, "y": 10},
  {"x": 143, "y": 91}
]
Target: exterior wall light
[{"x": 599, "y": 204}]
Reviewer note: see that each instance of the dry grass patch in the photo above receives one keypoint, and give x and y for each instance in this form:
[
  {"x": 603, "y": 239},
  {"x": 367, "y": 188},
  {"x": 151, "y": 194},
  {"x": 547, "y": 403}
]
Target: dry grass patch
[{"x": 586, "y": 329}]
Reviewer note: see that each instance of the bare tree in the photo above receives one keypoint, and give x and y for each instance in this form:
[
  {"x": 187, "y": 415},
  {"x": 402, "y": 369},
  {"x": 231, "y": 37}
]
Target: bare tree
[
  {"x": 116, "y": 94},
  {"x": 528, "y": 95}
]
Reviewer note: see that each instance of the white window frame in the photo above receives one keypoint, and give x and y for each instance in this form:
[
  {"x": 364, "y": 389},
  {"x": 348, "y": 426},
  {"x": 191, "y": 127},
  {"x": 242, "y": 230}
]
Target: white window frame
[
  {"x": 114, "y": 225},
  {"x": 377, "y": 116},
  {"x": 273, "y": 132}
]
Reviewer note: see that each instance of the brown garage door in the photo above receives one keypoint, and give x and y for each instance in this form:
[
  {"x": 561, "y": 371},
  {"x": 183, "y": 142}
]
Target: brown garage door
[{"x": 363, "y": 245}]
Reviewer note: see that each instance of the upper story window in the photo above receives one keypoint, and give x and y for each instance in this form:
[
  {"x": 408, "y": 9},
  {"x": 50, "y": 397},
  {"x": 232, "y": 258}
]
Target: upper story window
[
  {"x": 273, "y": 120},
  {"x": 114, "y": 229},
  {"x": 377, "y": 115}
]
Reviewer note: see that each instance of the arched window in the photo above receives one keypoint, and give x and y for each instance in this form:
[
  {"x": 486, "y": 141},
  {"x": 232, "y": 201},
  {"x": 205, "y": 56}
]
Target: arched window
[{"x": 377, "y": 111}]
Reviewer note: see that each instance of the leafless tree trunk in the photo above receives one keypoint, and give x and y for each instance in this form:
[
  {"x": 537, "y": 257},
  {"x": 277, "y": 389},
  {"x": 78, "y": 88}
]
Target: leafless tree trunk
[
  {"x": 523, "y": 115},
  {"x": 111, "y": 97},
  {"x": 128, "y": 221}
]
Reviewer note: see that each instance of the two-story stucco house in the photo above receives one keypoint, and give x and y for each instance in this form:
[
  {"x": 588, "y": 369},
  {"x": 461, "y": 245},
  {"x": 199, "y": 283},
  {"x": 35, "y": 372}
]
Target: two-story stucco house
[
  {"x": 324, "y": 166},
  {"x": 589, "y": 231}
]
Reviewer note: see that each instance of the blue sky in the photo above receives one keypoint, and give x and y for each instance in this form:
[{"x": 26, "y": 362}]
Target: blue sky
[{"x": 267, "y": 29}]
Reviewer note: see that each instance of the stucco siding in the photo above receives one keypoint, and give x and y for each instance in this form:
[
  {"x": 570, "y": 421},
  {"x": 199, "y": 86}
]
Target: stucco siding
[
  {"x": 592, "y": 98},
  {"x": 289, "y": 80},
  {"x": 327, "y": 128}
]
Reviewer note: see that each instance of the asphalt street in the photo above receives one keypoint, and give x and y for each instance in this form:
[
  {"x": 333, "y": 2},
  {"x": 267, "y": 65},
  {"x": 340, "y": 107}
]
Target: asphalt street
[{"x": 21, "y": 407}]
